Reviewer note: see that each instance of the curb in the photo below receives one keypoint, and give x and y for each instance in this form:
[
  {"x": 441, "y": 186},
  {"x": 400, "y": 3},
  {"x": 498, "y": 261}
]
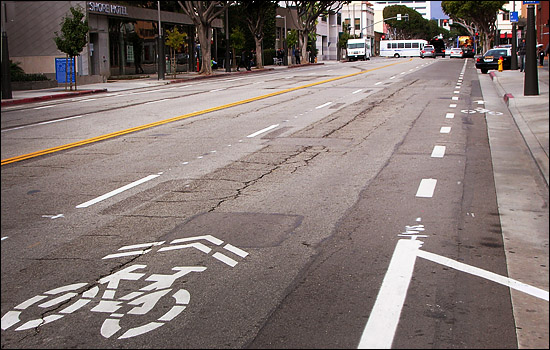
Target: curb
[
  {"x": 51, "y": 97},
  {"x": 507, "y": 98}
]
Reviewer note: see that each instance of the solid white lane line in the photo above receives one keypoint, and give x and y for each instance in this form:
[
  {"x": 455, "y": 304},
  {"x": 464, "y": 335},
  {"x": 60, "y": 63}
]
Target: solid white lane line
[
  {"x": 438, "y": 152},
  {"x": 445, "y": 129},
  {"x": 384, "y": 317},
  {"x": 43, "y": 107},
  {"x": 263, "y": 130},
  {"x": 522, "y": 287},
  {"x": 117, "y": 191},
  {"x": 426, "y": 188}
]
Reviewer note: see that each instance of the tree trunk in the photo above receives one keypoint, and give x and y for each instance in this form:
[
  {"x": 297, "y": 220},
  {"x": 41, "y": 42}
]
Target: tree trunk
[
  {"x": 71, "y": 74},
  {"x": 74, "y": 65},
  {"x": 303, "y": 47},
  {"x": 204, "y": 39},
  {"x": 258, "y": 52}
]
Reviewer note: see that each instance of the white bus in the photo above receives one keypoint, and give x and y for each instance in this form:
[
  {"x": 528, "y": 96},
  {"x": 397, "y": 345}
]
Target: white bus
[{"x": 401, "y": 48}]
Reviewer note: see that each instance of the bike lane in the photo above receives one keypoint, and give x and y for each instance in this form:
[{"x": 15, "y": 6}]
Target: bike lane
[{"x": 359, "y": 273}]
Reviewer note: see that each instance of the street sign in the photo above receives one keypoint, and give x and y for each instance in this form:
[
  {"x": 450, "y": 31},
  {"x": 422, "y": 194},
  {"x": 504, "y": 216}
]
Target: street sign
[
  {"x": 530, "y": 2},
  {"x": 514, "y": 16},
  {"x": 61, "y": 68}
]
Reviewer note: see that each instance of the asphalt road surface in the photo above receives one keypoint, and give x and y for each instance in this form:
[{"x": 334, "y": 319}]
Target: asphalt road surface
[{"x": 335, "y": 206}]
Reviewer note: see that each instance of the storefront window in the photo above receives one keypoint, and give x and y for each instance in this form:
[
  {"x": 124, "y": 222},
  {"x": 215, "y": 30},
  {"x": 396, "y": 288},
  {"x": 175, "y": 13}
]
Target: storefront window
[{"x": 133, "y": 47}]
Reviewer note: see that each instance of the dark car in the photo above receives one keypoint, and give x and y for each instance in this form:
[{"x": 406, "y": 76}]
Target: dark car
[
  {"x": 468, "y": 51},
  {"x": 427, "y": 51},
  {"x": 489, "y": 61}
]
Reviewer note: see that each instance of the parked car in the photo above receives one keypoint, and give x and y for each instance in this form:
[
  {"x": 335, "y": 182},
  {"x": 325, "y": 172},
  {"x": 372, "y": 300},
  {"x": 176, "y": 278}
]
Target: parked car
[
  {"x": 427, "y": 51},
  {"x": 489, "y": 61},
  {"x": 456, "y": 52}
]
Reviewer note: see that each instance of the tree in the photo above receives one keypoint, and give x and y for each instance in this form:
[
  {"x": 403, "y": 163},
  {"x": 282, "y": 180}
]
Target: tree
[
  {"x": 475, "y": 16},
  {"x": 203, "y": 13},
  {"x": 416, "y": 27},
  {"x": 255, "y": 13},
  {"x": 174, "y": 39},
  {"x": 307, "y": 14},
  {"x": 73, "y": 37},
  {"x": 237, "y": 42}
]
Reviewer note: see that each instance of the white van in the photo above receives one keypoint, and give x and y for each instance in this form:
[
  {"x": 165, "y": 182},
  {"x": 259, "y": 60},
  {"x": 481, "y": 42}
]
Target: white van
[
  {"x": 401, "y": 48},
  {"x": 358, "y": 49}
]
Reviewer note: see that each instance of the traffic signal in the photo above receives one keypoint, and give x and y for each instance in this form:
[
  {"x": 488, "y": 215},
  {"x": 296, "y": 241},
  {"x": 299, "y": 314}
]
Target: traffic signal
[{"x": 383, "y": 36}]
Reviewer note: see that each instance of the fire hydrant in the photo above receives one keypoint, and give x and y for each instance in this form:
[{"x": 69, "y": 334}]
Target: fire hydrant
[{"x": 500, "y": 60}]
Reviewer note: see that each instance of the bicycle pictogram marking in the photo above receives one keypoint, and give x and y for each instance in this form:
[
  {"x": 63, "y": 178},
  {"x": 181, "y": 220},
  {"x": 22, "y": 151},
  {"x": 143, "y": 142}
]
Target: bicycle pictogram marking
[
  {"x": 480, "y": 111},
  {"x": 136, "y": 303}
]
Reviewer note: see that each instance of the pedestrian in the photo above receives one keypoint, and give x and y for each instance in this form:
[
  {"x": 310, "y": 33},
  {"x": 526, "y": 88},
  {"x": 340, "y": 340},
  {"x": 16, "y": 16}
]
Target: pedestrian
[
  {"x": 243, "y": 61},
  {"x": 251, "y": 59},
  {"x": 297, "y": 55},
  {"x": 540, "y": 53},
  {"x": 522, "y": 49}
]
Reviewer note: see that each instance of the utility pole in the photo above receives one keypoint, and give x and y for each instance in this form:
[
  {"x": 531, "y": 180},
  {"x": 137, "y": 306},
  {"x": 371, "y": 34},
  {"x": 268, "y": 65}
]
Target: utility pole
[
  {"x": 531, "y": 84},
  {"x": 514, "y": 58},
  {"x": 227, "y": 64}
]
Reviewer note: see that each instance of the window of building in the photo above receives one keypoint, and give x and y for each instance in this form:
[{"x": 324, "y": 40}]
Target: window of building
[
  {"x": 357, "y": 24},
  {"x": 506, "y": 16}
]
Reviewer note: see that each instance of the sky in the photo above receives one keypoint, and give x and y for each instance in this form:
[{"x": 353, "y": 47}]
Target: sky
[{"x": 437, "y": 12}]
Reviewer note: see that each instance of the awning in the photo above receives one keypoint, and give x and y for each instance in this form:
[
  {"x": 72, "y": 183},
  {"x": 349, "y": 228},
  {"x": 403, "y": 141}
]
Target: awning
[{"x": 506, "y": 35}]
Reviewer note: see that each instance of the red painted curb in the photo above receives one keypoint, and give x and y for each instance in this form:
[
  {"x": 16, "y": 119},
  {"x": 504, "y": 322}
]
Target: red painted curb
[
  {"x": 51, "y": 97},
  {"x": 507, "y": 98}
]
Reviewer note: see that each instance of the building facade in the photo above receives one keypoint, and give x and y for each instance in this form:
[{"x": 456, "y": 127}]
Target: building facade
[
  {"x": 358, "y": 17},
  {"x": 122, "y": 40}
]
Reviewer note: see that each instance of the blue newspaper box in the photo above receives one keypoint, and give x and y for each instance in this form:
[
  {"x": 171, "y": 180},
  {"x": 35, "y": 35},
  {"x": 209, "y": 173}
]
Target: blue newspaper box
[{"x": 61, "y": 68}]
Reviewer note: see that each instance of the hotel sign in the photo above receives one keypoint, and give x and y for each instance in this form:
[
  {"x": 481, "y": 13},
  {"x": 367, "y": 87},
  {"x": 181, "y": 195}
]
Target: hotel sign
[{"x": 107, "y": 8}]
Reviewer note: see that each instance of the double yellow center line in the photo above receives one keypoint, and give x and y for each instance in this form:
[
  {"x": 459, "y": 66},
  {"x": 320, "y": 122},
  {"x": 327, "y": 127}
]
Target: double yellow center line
[{"x": 165, "y": 121}]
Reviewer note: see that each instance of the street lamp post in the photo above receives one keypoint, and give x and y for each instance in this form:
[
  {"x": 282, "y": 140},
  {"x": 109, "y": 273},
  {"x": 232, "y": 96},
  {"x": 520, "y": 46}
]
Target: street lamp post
[
  {"x": 285, "y": 58},
  {"x": 6, "y": 79},
  {"x": 227, "y": 63}
]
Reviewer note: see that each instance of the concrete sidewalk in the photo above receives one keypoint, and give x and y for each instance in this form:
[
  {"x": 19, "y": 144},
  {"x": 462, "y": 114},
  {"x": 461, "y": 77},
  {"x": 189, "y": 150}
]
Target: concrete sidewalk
[
  {"x": 530, "y": 113},
  {"x": 518, "y": 140}
]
